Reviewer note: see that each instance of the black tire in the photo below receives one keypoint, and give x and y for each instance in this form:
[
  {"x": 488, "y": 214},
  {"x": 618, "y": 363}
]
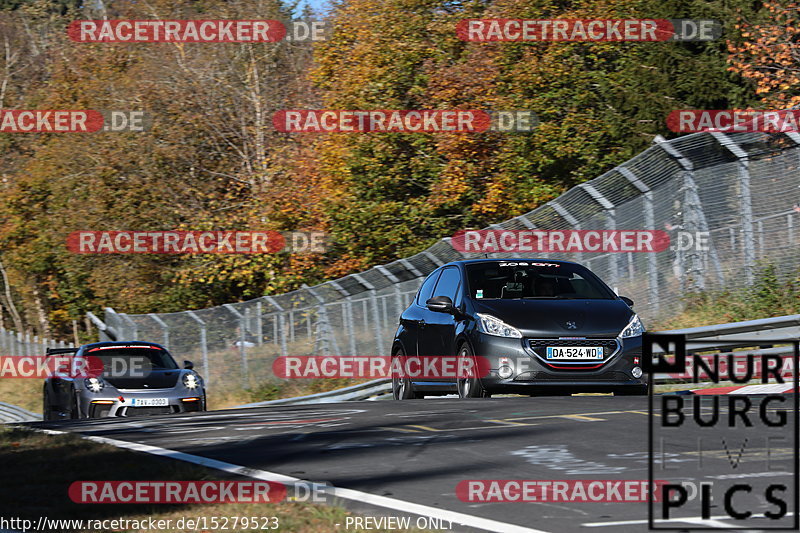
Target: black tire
[
  {"x": 47, "y": 410},
  {"x": 402, "y": 388},
  {"x": 636, "y": 390},
  {"x": 470, "y": 387},
  {"x": 73, "y": 413}
]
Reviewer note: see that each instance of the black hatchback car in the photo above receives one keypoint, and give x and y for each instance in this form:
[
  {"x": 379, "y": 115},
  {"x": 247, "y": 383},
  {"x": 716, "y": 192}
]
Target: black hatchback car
[{"x": 539, "y": 327}]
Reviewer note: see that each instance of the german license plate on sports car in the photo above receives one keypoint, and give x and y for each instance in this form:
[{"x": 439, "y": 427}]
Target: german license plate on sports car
[
  {"x": 582, "y": 352},
  {"x": 149, "y": 402}
]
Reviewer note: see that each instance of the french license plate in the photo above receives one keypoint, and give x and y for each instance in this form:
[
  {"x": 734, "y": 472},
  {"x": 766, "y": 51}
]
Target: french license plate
[
  {"x": 582, "y": 352},
  {"x": 149, "y": 402}
]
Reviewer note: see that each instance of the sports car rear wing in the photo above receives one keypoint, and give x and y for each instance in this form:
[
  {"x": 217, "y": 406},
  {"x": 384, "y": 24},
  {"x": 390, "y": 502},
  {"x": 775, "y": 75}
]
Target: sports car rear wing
[{"x": 55, "y": 351}]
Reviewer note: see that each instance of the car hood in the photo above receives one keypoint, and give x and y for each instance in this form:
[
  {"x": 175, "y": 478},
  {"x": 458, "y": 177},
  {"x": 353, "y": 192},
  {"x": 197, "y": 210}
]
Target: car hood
[
  {"x": 155, "y": 379},
  {"x": 560, "y": 318}
]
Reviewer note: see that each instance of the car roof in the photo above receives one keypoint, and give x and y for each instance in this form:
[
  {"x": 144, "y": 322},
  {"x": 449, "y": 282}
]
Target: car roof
[{"x": 510, "y": 260}]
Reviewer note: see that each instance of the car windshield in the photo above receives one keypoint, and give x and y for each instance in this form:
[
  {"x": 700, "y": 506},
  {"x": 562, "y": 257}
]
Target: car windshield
[
  {"x": 132, "y": 360},
  {"x": 531, "y": 279}
]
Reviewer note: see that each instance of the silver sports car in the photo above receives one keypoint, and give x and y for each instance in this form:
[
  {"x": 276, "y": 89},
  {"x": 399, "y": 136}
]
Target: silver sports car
[{"x": 129, "y": 379}]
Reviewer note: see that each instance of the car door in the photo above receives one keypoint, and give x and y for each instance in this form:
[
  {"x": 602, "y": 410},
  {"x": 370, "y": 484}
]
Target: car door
[
  {"x": 438, "y": 335},
  {"x": 61, "y": 387},
  {"x": 412, "y": 321}
]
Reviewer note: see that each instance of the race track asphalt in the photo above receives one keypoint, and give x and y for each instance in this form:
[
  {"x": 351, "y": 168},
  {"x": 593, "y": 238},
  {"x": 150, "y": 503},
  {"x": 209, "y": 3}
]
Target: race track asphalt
[{"x": 418, "y": 451}]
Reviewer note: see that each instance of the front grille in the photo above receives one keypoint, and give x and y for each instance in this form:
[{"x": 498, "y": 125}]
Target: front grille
[
  {"x": 148, "y": 411},
  {"x": 539, "y": 346}
]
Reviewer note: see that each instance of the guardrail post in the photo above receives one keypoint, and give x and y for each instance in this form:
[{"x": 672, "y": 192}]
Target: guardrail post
[
  {"x": 164, "y": 328},
  {"x": 611, "y": 224},
  {"x": 746, "y": 198},
  {"x": 242, "y": 347},
  {"x": 571, "y": 220},
  {"x": 693, "y": 215},
  {"x": 134, "y": 327},
  {"x": 280, "y": 330},
  {"x": 377, "y": 329},
  {"x": 106, "y": 331},
  {"x": 326, "y": 338},
  {"x": 350, "y": 324},
  {"x": 203, "y": 344},
  {"x": 395, "y": 281},
  {"x": 259, "y": 324},
  {"x": 692, "y": 210},
  {"x": 649, "y": 223}
]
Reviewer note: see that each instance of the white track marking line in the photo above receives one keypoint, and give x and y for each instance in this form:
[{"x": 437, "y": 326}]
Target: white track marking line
[
  {"x": 347, "y": 494},
  {"x": 714, "y": 521}
]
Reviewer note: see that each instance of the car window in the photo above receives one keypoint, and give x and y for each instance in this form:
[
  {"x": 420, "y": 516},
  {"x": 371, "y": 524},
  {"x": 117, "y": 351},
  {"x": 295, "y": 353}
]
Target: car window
[
  {"x": 448, "y": 283},
  {"x": 528, "y": 279},
  {"x": 426, "y": 290},
  {"x": 132, "y": 359}
]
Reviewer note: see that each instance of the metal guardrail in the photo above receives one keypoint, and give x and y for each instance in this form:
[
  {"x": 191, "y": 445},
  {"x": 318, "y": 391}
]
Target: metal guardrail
[
  {"x": 11, "y": 414},
  {"x": 718, "y": 335},
  {"x": 766, "y": 329},
  {"x": 363, "y": 391}
]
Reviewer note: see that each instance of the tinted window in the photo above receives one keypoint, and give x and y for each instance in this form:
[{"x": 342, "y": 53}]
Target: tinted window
[
  {"x": 448, "y": 283},
  {"x": 143, "y": 358},
  {"x": 530, "y": 279},
  {"x": 426, "y": 290}
]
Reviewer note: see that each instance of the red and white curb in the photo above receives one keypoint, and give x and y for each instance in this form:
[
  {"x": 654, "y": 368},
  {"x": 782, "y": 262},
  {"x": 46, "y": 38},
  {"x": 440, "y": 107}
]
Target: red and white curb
[{"x": 769, "y": 388}]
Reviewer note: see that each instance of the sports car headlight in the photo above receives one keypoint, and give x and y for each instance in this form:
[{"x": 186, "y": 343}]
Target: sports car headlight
[
  {"x": 494, "y": 326},
  {"x": 633, "y": 329},
  {"x": 94, "y": 384},
  {"x": 191, "y": 380}
]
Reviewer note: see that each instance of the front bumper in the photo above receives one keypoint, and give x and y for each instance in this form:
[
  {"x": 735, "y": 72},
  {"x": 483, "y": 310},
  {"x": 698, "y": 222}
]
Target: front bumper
[
  {"x": 530, "y": 373},
  {"x": 119, "y": 403}
]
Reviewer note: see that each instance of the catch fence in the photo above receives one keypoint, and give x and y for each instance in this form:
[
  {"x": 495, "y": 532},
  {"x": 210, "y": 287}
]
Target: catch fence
[{"x": 742, "y": 189}]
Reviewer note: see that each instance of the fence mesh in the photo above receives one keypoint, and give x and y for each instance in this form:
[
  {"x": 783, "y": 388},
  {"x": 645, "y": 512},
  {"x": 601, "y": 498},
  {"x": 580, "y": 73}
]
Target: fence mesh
[
  {"x": 16, "y": 344},
  {"x": 743, "y": 189}
]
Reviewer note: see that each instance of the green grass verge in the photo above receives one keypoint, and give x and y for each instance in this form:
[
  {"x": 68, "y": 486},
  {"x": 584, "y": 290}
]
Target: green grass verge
[{"x": 37, "y": 470}]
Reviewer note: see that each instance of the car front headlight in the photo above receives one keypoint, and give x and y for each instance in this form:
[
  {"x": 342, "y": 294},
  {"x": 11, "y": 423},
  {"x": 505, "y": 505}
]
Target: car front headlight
[
  {"x": 191, "y": 380},
  {"x": 633, "y": 329},
  {"x": 94, "y": 384},
  {"x": 494, "y": 326}
]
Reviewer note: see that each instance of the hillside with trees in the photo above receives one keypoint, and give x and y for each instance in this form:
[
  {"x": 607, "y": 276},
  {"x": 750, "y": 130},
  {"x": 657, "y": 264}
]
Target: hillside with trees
[{"x": 213, "y": 160}]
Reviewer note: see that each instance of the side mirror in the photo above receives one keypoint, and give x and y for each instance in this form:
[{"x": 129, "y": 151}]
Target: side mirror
[
  {"x": 627, "y": 300},
  {"x": 188, "y": 365},
  {"x": 441, "y": 304}
]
